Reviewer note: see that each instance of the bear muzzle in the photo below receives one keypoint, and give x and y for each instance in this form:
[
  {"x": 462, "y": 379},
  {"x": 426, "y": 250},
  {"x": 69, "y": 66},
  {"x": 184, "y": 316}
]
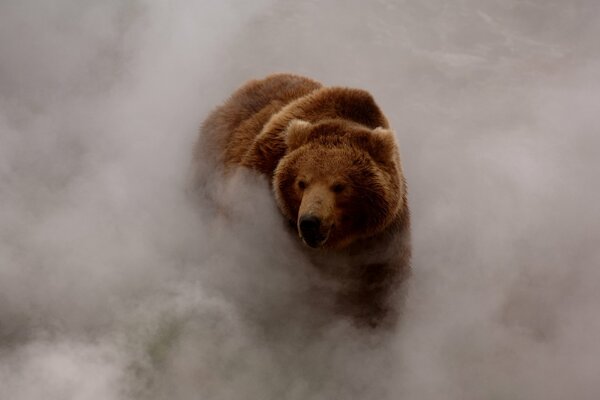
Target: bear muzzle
[{"x": 312, "y": 230}]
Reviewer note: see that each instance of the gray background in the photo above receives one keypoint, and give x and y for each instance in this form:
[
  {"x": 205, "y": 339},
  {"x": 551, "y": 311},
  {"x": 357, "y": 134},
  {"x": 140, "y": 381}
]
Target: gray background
[{"x": 114, "y": 285}]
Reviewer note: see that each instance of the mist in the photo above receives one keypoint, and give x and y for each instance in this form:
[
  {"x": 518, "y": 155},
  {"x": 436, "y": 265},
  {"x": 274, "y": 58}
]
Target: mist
[{"x": 116, "y": 284}]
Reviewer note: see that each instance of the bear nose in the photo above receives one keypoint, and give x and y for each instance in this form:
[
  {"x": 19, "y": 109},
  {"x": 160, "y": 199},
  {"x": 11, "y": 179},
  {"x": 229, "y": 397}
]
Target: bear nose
[{"x": 310, "y": 230}]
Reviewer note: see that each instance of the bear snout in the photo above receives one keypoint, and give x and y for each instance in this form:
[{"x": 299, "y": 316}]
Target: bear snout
[{"x": 311, "y": 230}]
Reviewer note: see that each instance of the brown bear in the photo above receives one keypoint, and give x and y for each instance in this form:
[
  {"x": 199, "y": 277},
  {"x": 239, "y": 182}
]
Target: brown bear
[{"x": 335, "y": 172}]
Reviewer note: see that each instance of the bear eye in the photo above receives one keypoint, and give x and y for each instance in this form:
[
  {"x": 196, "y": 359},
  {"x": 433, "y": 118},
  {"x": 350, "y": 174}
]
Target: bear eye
[
  {"x": 338, "y": 188},
  {"x": 302, "y": 184}
]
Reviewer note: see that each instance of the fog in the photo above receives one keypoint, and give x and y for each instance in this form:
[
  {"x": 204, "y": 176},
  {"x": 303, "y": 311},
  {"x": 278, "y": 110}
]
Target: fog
[{"x": 115, "y": 284}]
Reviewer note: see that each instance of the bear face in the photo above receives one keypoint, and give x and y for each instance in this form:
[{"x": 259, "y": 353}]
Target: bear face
[{"x": 339, "y": 181}]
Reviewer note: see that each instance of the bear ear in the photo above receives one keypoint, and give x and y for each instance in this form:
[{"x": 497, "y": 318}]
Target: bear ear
[
  {"x": 382, "y": 145},
  {"x": 297, "y": 133}
]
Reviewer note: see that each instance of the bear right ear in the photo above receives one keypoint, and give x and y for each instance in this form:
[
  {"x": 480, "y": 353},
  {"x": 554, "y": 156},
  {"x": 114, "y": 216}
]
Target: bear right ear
[
  {"x": 382, "y": 145},
  {"x": 297, "y": 133}
]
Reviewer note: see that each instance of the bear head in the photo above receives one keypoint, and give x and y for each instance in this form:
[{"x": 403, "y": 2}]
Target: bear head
[{"x": 339, "y": 181}]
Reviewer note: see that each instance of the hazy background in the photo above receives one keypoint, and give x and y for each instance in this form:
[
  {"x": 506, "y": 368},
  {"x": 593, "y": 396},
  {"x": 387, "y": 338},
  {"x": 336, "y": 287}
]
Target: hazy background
[{"x": 114, "y": 285}]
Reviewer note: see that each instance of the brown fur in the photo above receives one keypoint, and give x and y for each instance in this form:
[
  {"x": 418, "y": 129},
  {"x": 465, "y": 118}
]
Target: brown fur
[{"x": 329, "y": 154}]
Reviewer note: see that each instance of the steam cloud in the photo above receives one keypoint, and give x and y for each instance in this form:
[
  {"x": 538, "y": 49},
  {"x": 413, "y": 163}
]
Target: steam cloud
[{"x": 115, "y": 285}]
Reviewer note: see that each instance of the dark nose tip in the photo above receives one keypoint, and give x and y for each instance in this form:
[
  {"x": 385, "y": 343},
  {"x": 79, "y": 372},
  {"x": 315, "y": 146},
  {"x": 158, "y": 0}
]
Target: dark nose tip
[
  {"x": 310, "y": 229},
  {"x": 309, "y": 224}
]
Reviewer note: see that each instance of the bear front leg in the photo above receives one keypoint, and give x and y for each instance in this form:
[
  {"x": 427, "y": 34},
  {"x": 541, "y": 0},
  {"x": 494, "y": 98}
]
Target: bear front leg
[{"x": 368, "y": 297}]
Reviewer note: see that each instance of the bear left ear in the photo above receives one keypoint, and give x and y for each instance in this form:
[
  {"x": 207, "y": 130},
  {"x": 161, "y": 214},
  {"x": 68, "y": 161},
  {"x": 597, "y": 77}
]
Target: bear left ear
[
  {"x": 297, "y": 133},
  {"x": 382, "y": 145}
]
